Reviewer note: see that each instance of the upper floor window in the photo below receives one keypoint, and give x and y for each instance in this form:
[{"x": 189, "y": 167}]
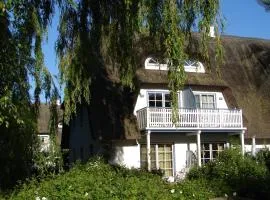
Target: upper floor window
[
  {"x": 159, "y": 99},
  {"x": 205, "y": 101},
  {"x": 194, "y": 66},
  {"x": 189, "y": 65},
  {"x": 153, "y": 63}
]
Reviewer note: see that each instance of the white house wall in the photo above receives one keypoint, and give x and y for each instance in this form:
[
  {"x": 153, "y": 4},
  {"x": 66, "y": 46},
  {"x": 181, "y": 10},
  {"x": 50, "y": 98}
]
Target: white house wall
[
  {"x": 44, "y": 142},
  {"x": 81, "y": 142},
  {"x": 248, "y": 147},
  {"x": 126, "y": 155},
  {"x": 184, "y": 97}
]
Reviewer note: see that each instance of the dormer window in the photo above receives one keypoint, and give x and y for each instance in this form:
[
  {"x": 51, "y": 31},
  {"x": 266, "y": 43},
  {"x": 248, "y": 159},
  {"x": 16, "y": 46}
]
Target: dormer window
[
  {"x": 194, "y": 66},
  {"x": 189, "y": 65},
  {"x": 153, "y": 63}
]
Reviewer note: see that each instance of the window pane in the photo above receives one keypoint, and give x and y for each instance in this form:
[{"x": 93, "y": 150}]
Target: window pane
[
  {"x": 197, "y": 101},
  {"x": 151, "y": 96},
  {"x": 167, "y": 104},
  {"x": 215, "y": 154},
  {"x": 159, "y": 96},
  {"x": 214, "y": 146},
  {"x": 220, "y": 147},
  {"x": 158, "y": 103},
  {"x": 204, "y": 99},
  {"x": 152, "y": 104},
  {"x": 153, "y": 165},
  {"x": 168, "y": 97},
  {"x": 161, "y": 156},
  {"x": 210, "y": 98},
  {"x": 168, "y": 148},
  {"x": 160, "y": 148},
  {"x": 206, "y": 146},
  {"x": 168, "y": 164},
  {"x": 168, "y": 172},
  {"x": 206, "y": 154}
]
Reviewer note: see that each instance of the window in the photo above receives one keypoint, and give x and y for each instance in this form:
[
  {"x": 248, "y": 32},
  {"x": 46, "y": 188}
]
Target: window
[
  {"x": 193, "y": 66},
  {"x": 160, "y": 156},
  {"x": 154, "y": 64},
  {"x": 211, "y": 151},
  {"x": 157, "y": 64},
  {"x": 159, "y": 99},
  {"x": 205, "y": 101}
]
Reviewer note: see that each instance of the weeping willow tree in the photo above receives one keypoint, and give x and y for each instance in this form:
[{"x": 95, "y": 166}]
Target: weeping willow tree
[
  {"x": 265, "y": 4},
  {"x": 91, "y": 31},
  {"x": 23, "y": 27}
]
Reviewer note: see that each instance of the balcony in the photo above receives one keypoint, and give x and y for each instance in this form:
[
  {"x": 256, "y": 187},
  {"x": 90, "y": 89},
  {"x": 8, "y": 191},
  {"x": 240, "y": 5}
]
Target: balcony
[{"x": 190, "y": 119}]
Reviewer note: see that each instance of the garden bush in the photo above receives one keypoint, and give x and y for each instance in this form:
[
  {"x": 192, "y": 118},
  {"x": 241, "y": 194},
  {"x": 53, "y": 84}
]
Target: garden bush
[
  {"x": 263, "y": 156},
  {"x": 234, "y": 173},
  {"x": 98, "y": 180}
]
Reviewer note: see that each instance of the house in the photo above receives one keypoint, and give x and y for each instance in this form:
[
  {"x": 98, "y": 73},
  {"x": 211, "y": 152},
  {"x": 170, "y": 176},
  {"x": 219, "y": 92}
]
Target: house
[
  {"x": 43, "y": 127},
  {"x": 135, "y": 128}
]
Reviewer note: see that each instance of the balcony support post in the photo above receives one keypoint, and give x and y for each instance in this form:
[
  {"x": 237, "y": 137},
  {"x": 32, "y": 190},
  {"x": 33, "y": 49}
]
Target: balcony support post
[
  {"x": 148, "y": 150},
  {"x": 242, "y": 139},
  {"x": 253, "y": 150},
  {"x": 199, "y": 148}
]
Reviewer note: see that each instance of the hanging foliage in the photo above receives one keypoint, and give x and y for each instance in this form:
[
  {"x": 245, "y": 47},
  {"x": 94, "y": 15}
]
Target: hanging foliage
[
  {"x": 93, "y": 32},
  {"x": 23, "y": 28}
]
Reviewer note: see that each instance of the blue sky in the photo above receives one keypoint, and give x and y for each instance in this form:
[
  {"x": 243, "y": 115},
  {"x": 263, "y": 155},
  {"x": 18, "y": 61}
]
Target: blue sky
[
  {"x": 243, "y": 18},
  {"x": 246, "y": 18}
]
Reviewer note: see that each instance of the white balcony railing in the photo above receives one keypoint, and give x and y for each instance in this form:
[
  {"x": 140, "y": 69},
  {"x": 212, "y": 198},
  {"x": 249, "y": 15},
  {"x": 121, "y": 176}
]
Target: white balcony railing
[{"x": 190, "y": 118}]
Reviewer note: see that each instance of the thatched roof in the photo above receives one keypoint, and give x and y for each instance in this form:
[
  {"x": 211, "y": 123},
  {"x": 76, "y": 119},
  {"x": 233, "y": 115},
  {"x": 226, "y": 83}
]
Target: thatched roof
[
  {"x": 244, "y": 80},
  {"x": 43, "y": 119}
]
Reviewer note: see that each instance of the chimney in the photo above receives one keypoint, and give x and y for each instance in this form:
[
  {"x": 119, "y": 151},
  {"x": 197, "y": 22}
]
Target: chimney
[
  {"x": 212, "y": 32},
  {"x": 58, "y": 102}
]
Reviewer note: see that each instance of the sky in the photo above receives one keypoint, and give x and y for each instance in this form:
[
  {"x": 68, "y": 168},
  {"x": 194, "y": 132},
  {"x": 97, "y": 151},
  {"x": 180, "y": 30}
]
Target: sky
[{"x": 244, "y": 18}]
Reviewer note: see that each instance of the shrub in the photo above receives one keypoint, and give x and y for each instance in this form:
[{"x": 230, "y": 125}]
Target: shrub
[
  {"x": 97, "y": 180},
  {"x": 235, "y": 173},
  {"x": 263, "y": 156}
]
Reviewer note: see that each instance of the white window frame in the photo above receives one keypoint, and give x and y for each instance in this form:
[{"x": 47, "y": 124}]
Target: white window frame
[
  {"x": 210, "y": 158},
  {"x": 200, "y": 94},
  {"x": 163, "y": 93},
  {"x": 157, "y": 157},
  {"x": 194, "y": 66},
  {"x": 189, "y": 65},
  {"x": 153, "y": 64}
]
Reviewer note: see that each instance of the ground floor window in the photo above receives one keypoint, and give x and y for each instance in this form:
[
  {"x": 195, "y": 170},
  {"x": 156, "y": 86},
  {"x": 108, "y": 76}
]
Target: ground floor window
[
  {"x": 161, "y": 157},
  {"x": 210, "y": 151}
]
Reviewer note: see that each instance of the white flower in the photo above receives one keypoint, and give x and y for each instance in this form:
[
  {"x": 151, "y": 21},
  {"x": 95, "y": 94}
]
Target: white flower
[
  {"x": 180, "y": 192},
  {"x": 44, "y": 198},
  {"x": 172, "y": 191},
  {"x": 86, "y": 194},
  {"x": 193, "y": 195},
  {"x": 37, "y": 198},
  {"x": 225, "y": 195},
  {"x": 234, "y": 194}
]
